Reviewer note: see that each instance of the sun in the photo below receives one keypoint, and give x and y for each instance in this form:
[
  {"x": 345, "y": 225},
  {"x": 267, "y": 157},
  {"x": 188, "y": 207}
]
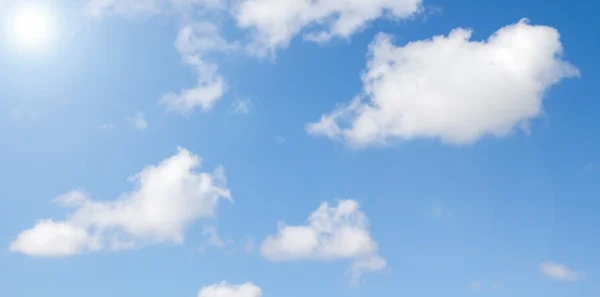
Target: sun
[{"x": 31, "y": 27}]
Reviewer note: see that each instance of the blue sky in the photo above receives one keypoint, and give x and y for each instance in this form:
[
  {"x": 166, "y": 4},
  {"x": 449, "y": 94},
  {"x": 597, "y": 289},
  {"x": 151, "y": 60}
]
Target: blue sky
[{"x": 479, "y": 181}]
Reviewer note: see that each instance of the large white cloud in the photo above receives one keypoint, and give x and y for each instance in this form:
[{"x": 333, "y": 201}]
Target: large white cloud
[
  {"x": 276, "y": 22},
  {"x": 332, "y": 233},
  {"x": 226, "y": 290},
  {"x": 451, "y": 88},
  {"x": 168, "y": 198}
]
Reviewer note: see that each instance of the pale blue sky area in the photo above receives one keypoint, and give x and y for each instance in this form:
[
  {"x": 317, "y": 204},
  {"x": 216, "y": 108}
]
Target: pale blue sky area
[{"x": 512, "y": 215}]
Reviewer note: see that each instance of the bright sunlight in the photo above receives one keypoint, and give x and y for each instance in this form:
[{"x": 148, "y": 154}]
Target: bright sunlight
[{"x": 31, "y": 27}]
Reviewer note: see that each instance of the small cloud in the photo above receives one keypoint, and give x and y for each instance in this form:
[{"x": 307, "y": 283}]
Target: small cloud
[
  {"x": 497, "y": 286},
  {"x": 242, "y": 106},
  {"x": 226, "y": 290},
  {"x": 280, "y": 140},
  {"x": 476, "y": 285},
  {"x": 331, "y": 233},
  {"x": 214, "y": 240},
  {"x": 107, "y": 127},
  {"x": 139, "y": 121},
  {"x": 37, "y": 114},
  {"x": 560, "y": 272}
]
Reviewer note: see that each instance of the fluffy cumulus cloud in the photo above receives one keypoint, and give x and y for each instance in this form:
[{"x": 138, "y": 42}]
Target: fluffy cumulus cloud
[
  {"x": 226, "y": 290},
  {"x": 194, "y": 42},
  {"x": 560, "y": 272},
  {"x": 451, "y": 88},
  {"x": 168, "y": 197},
  {"x": 276, "y": 22},
  {"x": 333, "y": 233}
]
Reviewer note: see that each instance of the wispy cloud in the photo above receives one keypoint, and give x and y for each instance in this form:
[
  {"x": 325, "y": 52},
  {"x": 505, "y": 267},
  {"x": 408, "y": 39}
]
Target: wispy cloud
[
  {"x": 214, "y": 240},
  {"x": 106, "y": 127},
  {"x": 480, "y": 285},
  {"x": 242, "y": 106},
  {"x": 139, "y": 121},
  {"x": 497, "y": 285},
  {"x": 36, "y": 114},
  {"x": 560, "y": 272}
]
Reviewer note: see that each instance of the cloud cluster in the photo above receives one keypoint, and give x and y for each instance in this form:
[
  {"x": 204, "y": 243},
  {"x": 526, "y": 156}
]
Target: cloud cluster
[
  {"x": 451, "y": 88},
  {"x": 167, "y": 199},
  {"x": 226, "y": 290},
  {"x": 333, "y": 233},
  {"x": 276, "y": 22},
  {"x": 273, "y": 24}
]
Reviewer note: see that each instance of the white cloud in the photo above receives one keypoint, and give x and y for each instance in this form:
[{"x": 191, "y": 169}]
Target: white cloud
[
  {"x": 138, "y": 121},
  {"x": 242, "y": 106},
  {"x": 124, "y": 7},
  {"x": 478, "y": 285},
  {"x": 145, "y": 8},
  {"x": 450, "y": 88},
  {"x": 54, "y": 239},
  {"x": 560, "y": 272},
  {"x": 36, "y": 114},
  {"x": 214, "y": 239},
  {"x": 167, "y": 198},
  {"x": 107, "y": 127},
  {"x": 497, "y": 285},
  {"x": 368, "y": 264},
  {"x": 332, "y": 233},
  {"x": 226, "y": 290},
  {"x": 276, "y": 22},
  {"x": 193, "y": 43}
]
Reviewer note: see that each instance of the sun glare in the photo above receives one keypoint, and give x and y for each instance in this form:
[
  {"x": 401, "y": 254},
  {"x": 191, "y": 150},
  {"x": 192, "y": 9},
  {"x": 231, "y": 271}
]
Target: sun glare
[{"x": 31, "y": 27}]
